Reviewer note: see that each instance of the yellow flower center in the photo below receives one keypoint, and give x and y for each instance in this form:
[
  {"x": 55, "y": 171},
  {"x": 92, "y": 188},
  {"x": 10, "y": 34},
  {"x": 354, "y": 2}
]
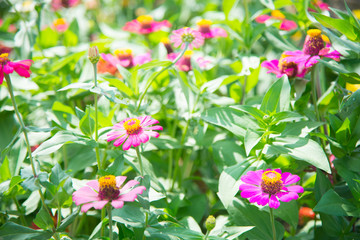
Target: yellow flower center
[
  {"x": 4, "y": 57},
  {"x": 204, "y": 22},
  {"x": 314, "y": 32},
  {"x": 132, "y": 126},
  {"x": 188, "y": 53},
  {"x": 165, "y": 40},
  {"x": 271, "y": 182},
  {"x": 59, "y": 21},
  {"x": 356, "y": 12},
  {"x": 108, "y": 189},
  {"x": 123, "y": 53},
  {"x": 145, "y": 21},
  {"x": 277, "y": 14},
  {"x": 325, "y": 38}
]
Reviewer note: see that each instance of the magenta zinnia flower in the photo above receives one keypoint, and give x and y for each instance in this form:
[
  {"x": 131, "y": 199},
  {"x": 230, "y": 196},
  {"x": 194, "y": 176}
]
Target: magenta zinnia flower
[
  {"x": 187, "y": 35},
  {"x": 283, "y": 67},
  {"x": 134, "y": 130},
  {"x": 145, "y": 24},
  {"x": 58, "y": 4},
  {"x": 210, "y": 32},
  {"x": 21, "y": 67},
  {"x": 270, "y": 186},
  {"x": 285, "y": 24},
  {"x": 108, "y": 189},
  {"x": 125, "y": 58},
  {"x": 313, "y": 50}
]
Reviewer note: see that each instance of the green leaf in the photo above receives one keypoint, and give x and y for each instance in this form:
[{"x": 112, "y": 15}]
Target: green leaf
[
  {"x": 252, "y": 138},
  {"x": 278, "y": 41},
  {"x": 130, "y": 215},
  {"x": 299, "y": 148},
  {"x": 70, "y": 39},
  {"x": 48, "y": 38},
  {"x": 289, "y": 212},
  {"x": 344, "y": 132},
  {"x": 67, "y": 221},
  {"x": 331, "y": 203},
  {"x": 268, "y": 3},
  {"x": 65, "y": 61},
  {"x": 120, "y": 85},
  {"x": 253, "y": 111},
  {"x": 349, "y": 176},
  {"x": 277, "y": 97},
  {"x": 5, "y": 173},
  {"x": 87, "y": 124},
  {"x": 13, "y": 231},
  {"x": 183, "y": 233},
  {"x": 213, "y": 85},
  {"x": 227, "y": 5},
  {"x": 60, "y": 107},
  {"x": 43, "y": 219},
  {"x": 154, "y": 64},
  {"x": 343, "y": 26},
  {"x": 227, "y": 153}
]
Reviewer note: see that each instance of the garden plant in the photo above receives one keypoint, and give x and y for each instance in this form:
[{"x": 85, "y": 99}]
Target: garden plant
[{"x": 179, "y": 119}]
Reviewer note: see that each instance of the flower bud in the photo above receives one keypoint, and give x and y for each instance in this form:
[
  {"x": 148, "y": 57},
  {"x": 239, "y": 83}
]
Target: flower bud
[
  {"x": 210, "y": 223},
  {"x": 94, "y": 55}
]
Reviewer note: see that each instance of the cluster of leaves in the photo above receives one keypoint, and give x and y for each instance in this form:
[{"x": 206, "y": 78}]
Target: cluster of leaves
[{"x": 218, "y": 124}]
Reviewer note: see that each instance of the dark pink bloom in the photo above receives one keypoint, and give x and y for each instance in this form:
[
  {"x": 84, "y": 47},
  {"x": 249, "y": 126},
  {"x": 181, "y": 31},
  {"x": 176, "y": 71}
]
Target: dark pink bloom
[
  {"x": 145, "y": 24},
  {"x": 269, "y": 186},
  {"x": 187, "y": 35},
  {"x": 284, "y": 67},
  {"x": 285, "y": 24},
  {"x": 58, "y": 4},
  {"x": 204, "y": 27},
  {"x": 7, "y": 67},
  {"x": 313, "y": 50},
  {"x": 108, "y": 189},
  {"x": 184, "y": 63},
  {"x": 317, "y": 4},
  {"x": 134, "y": 130},
  {"x": 125, "y": 58}
]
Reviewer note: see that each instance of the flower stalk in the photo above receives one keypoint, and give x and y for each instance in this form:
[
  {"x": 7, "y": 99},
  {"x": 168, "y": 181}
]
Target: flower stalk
[
  {"x": 109, "y": 208},
  {"x": 140, "y": 161},
  {"x": 272, "y": 220}
]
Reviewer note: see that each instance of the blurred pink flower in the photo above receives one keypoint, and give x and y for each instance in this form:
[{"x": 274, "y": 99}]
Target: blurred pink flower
[
  {"x": 270, "y": 186},
  {"x": 21, "y": 67},
  {"x": 108, "y": 189},
  {"x": 318, "y": 5},
  {"x": 58, "y": 4},
  {"x": 4, "y": 49},
  {"x": 145, "y": 24},
  {"x": 134, "y": 130},
  {"x": 184, "y": 63},
  {"x": 283, "y": 67},
  {"x": 187, "y": 35},
  {"x": 286, "y": 25},
  {"x": 313, "y": 50},
  {"x": 125, "y": 58},
  {"x": 210, "y": 32},
  {"x": 60, "y": 25}
]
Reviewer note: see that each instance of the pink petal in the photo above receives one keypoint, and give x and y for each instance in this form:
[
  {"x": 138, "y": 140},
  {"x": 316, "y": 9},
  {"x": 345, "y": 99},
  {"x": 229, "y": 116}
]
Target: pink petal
[
  {"x": 131, "y": 195},
  {"x": 110, "y": 59},
  {"x": 246, "y": 186},
  {"x": 117, "y": 203},
  {"x": 274, "y": 202},
  {"x": 264, "y": 199},
  {"x": 85, "y": 195},
  {"x": 114, "y": 135},
  {"x": 8, "y": 69},
  {"x": 141, "y": 59},
  {"x": 218, "y": 32},
  {"x": 255, "y": 199},
  {"x": 253, "y": 177},
  {"x": 156, "y": 127},
  {"x": 143, "y": 137},
  {"x": 94, "y": 184},
  {"x": 120, "y": 180},
  {"x": 288, "y": 25},
  {"x": 129, "y": 185},
  {"x": 250, "y": 193},
  {"x": 152, "y": 134},
  {"x": 262, "y": 18},
  {"x": 287, "y": 196},
  {"x": 126, "y": 62},
  {"x": 100, "y": 204},
  {"x": 288, "y": 178},
  {"x": 1, "y": 75},
  {"x": 86, "y": 207},
  {"x": 128, "y": 143},
  {"x": 119, "y": 141},
  {"x": 295, "y": 188}
]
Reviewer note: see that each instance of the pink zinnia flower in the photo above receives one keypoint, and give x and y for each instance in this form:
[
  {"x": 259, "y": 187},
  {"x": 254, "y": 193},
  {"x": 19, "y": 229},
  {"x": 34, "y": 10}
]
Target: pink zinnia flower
[
  {"x": 21, "y": 67},
  {"x": 60, "y": 25},
  {"x": 317, "y": 4},
  {"x": 313, "y": 50},
  {"x": 145, "y": 24},
  {"x": 125, "y": 58},
  {"x": 210, "y": 32},
  {"x": 187, "y": 35},
  {"x": 108, "y": 189},
  {"x": 184, "y": 63},
  {"x": 270, "y": 186},
  {"x": 58, "y": 4},
  {"x": 134, "y": 130},
  {"x": 286, "y": 25},
  {"x": 283, "y": 67}
]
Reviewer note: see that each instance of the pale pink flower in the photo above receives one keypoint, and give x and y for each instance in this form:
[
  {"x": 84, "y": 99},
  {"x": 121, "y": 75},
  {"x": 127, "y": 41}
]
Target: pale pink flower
[
  {"x": 270, "y": 186},
  {"x": 108, "y": 189},
  {"x": 317, "y": 4},
  {"x": 204, "y": 27},
  {"x": 187, "y": 35},
  {"x": 7, "y": 67},
  {"x": 134, "y": 130},
  {"x": 60, "y": 25},
  {"x": 184, "y": 63},
  {"x": 145, "y": 24},
  {"x": 125, "y": 58},
  {"x": 285, "y": 24},
  {"x": 58, "y": 4},
  {"x": 313, "y": 50}
]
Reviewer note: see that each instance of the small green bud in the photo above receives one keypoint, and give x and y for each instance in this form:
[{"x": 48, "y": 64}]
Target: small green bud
[
  {"x": 210, "y": 223},
  {"x": 94, "y": 55}
]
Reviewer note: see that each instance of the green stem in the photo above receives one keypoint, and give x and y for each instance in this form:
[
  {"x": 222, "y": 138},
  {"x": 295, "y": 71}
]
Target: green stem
[
  {"x": 58, "y": 217},
  {"x": 96, "y": 119},
  {"x": 171, "y": 154},
  {"x": 146, "y": 223},
  {"x": 207, "y": 235},
  {"x": 20, "y": 211},
  {"x": 18, "y": 115},
  {"x": 103, "y": 213},
  {"x": 164, "y": 69},
  {"x": 272, "y": 219},
  {"x": 110, "y": 221},
  {"x": 140, "y": 161},
  {"x": 313, "y": 92},
  {"x": 352, "y": 222}
]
